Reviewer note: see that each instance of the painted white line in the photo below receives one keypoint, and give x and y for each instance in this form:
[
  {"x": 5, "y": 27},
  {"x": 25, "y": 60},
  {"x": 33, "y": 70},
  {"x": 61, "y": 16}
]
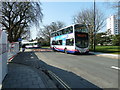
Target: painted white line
[
  {"x": 60, "y": 81},
  {"x": 31, "y": 57},
  {"x": 114, "y": 67}
]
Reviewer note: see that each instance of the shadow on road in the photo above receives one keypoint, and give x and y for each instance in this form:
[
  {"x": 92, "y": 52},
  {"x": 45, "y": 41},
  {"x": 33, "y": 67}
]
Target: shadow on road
[
  {"x": 71, "y": 79},
  {"x": 84, "y": 54}
]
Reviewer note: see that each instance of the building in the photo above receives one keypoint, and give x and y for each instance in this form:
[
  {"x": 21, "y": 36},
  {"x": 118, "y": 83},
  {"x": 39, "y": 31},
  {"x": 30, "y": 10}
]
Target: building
[
  {"x": 112, "y": 25},
  {"x": 119, "y": 17}
]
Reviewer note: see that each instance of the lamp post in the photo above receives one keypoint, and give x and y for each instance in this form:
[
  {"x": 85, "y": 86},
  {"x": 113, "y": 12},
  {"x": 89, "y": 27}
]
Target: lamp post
[{"x": 94, "y": 27}]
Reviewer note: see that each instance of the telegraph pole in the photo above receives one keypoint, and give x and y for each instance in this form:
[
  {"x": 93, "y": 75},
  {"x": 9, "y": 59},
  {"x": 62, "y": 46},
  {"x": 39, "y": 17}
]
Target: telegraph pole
[{"x": 94, "y": 27}]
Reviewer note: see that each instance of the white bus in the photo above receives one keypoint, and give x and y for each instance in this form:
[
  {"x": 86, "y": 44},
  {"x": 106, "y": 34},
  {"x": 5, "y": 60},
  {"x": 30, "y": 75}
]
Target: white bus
[
  {"x": 28, "y": 44},
  {"x": 71, "y": 39}
]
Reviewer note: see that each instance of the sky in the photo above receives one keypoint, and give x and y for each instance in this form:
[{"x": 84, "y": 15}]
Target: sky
[{"x": 64, "y": 11}]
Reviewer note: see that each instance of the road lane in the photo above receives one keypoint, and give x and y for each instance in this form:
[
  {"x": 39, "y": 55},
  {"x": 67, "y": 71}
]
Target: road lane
[{"x": 93, "y": 68}]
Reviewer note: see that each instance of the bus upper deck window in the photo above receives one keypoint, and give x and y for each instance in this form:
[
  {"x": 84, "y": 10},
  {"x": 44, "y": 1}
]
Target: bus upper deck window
[
  {"x": 71, "y": 30},
  {"x": 63, "y": 31},
  {"x": 60, "y": 32}
]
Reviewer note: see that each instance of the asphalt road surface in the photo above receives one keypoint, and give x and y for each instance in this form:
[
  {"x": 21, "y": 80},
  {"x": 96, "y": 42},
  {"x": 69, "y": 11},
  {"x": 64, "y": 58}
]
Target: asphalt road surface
[{"x": 81, "y": 71}]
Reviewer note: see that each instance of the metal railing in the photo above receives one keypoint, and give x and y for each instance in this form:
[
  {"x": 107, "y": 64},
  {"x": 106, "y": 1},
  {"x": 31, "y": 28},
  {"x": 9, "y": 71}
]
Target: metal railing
[{"x": 13, "y": 49}]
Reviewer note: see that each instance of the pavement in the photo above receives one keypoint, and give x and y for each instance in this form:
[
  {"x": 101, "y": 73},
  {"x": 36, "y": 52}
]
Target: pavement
[{"x": 25, "y": 72}]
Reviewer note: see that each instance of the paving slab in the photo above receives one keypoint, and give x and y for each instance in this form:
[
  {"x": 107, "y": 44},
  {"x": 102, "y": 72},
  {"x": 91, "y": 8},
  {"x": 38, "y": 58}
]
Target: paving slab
[
  {"x": 21, "y": 76},
  {"x": 23, "y": 73}
]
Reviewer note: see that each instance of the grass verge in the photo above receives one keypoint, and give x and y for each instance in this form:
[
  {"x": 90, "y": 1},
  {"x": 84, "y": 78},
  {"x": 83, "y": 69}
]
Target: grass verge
[
  {"x": 107, "y": 49},
  {"x": 45, "y": 47}
]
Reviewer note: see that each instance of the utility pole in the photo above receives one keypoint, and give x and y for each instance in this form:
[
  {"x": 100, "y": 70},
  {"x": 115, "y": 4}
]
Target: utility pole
[{"x": 94, "y": 27}]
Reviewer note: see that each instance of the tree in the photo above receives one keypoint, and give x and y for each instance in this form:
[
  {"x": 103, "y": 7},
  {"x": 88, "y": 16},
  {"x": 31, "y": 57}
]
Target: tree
[
  {"x": 47, "y": 29},
  {"x": 103, "y": 39},
  {"x": 116, "y": 40},
  {"x": 18, "y": 16},
  {"x": 87, "y": 17}
]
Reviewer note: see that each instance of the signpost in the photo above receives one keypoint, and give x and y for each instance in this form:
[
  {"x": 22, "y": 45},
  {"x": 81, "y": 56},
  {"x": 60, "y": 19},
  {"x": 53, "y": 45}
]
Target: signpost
[
  {"x": 19, "y": 39},
  {"x": 94, "y": 27}
]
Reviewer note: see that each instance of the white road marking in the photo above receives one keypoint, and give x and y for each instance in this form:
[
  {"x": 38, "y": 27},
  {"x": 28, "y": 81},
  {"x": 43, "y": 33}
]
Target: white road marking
[
  {"x": 31, "y": 57},
  {"x": 114, "y": 67}
]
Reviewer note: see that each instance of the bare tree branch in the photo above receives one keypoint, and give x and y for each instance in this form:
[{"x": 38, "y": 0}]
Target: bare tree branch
[
  {"x": 17, "y": 16},
  {"x": 87, "y": 17},
  {"x": 47, "y": 29}
]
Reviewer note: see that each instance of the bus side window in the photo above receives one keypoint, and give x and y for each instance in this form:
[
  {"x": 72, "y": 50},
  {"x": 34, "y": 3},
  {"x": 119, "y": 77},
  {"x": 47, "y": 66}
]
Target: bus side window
[
  {"x": 59, "y": 42},
  {"x": 53, "y": 42},
  {"x": 71, "y": 29},
  {"x": 63, "y": 31},
  {"x": 51, "y": 35},
  {"x": 67, "y": 42},
  {"x": 70, "y": 42},
  {"x": 60, "y": 32},
  {"x": 56, "y": 42},
  {"x": 67, "y": 30},
  {"x": 55, "y": 33}
]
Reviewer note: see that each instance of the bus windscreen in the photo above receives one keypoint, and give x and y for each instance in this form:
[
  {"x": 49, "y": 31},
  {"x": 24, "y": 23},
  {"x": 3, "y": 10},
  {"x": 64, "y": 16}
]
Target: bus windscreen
[{"x": 81, "y": 40}]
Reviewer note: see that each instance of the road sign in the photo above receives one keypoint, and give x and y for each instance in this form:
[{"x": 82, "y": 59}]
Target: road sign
[{"x": 19, "y": 39}]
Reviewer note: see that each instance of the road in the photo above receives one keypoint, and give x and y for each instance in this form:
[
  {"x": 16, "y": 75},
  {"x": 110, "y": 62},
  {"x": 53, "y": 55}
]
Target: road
[{"x": 81, "y": 71}]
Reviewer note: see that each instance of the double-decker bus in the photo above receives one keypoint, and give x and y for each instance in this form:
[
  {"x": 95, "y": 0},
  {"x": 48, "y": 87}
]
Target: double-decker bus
[{"x": 71, "y": 39}]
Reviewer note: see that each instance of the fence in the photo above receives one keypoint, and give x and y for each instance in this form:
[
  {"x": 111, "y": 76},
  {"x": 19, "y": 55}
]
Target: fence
[
  {"x": 13, "y": 50},
  {"x": 3, "y": 55},
  {"x": 7, "y": 52}
]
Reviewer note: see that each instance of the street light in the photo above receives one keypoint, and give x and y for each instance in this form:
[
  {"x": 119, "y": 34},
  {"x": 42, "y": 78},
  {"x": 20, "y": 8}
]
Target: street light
[{"x": 94, "y": 27}]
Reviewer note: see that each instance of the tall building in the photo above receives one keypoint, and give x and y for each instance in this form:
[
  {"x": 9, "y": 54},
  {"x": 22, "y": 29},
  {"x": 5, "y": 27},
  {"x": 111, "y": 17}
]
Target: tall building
[
  {"x": 112, "y": 25},
  {"x": 119, "y": 17}
]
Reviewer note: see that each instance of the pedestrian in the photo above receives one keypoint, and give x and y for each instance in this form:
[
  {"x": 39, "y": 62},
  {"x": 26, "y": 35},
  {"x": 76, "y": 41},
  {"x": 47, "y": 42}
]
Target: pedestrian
[{"x": 23, "y": 47}]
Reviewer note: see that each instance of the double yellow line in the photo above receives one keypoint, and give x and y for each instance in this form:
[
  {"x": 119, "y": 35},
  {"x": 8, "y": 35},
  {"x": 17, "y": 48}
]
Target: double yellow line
[{"x": 60, "y": 81}]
